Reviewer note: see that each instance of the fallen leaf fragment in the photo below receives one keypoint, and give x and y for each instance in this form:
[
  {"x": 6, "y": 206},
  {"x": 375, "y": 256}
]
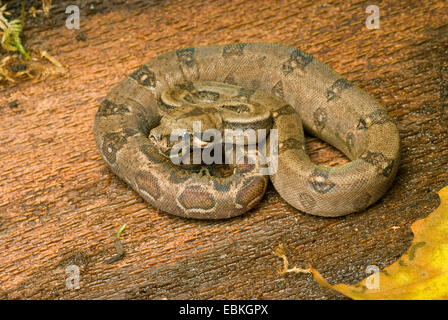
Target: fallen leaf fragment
[
  {"x": 420, "y": 273},
  {"x": 40, "y": 67}
]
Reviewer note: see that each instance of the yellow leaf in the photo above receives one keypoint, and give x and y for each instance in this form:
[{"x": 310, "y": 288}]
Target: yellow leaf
[{"x": 420, "y": 273}]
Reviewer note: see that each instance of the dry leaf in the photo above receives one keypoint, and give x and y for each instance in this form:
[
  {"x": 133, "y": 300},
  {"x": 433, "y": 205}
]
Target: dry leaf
[
  {"x": 420, "y": 273},
  {"x": 13, "y": 69}
]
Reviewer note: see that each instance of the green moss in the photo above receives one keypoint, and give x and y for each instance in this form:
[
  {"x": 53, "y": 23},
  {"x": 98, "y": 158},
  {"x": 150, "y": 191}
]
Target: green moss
[{"x": 10, "y": 33}]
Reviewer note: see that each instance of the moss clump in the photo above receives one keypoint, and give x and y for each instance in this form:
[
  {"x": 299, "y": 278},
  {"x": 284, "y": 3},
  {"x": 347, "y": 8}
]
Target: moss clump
[{"x": 10, "y": 33}]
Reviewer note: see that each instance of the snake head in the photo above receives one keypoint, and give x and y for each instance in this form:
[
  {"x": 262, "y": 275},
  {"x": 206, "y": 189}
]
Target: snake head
[{"x": 160, "y": 139}]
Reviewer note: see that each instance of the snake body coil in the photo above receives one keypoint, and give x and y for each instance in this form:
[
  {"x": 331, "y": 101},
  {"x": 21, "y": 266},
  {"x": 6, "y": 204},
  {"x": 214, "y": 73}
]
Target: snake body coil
[{"x": 301, "y": 93}]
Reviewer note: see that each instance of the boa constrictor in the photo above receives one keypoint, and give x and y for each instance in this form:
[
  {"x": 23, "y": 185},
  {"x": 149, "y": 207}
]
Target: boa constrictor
[{"x": 306, "y": 94}]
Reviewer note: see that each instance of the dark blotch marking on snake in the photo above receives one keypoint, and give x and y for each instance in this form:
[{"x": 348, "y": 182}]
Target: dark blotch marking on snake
[
  {"x": 152, "y": 154},
  {"x": 208, "y": 95},
  {"x": 195, "y": 197},
  {"x": 290, "y": 144},
  {"x": 186, "y": 56},
  {"x": 362, "y": 125},
  {"x": 233, "y": 50},
  {"x": 108, "y": 108},
  {"x": 380, "y": 161},
  {"x": 251, "y": 191},
  {"x": 147, "y": 183},
  {"x": 112, "y": 143},
  {"x": 142, "y": 123},
  {"x": 388, "y": 170},
  {"x": 187, "y": 86},
  {"x": 376, "y": 117},
  {"x": 297, "y": 59},
  {"x": 144, "y": 77},
  {"x": 129, "y": 132},
  {"x": 336, "y": 88},
  {"x": 236, "y": 108},
  {"x": 244, "y": 167},
  {"x": 220, "y": 185},
  {"x": 166, "y": 107},
  {"x": 320, "y": 181},
  {"x": 178, "y": 176}
]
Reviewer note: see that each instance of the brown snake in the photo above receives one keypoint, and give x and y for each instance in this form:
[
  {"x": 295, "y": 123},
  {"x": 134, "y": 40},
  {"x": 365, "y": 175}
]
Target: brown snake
[{"x": 295, "y": 90}]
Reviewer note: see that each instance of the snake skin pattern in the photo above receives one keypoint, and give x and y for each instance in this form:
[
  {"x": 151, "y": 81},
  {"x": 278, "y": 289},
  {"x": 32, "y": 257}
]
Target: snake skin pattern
[{"x": 313, "y": 97}]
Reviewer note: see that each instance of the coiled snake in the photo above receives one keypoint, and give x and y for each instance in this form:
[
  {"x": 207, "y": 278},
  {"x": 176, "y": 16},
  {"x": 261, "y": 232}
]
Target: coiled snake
[{"x": 295, "y": 90}]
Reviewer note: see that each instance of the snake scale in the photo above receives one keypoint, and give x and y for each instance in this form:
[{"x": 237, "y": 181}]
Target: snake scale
[{"x": 297, "y": 93}]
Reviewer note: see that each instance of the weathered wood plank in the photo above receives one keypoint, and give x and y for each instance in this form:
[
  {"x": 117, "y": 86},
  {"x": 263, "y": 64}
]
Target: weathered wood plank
[{"x": 60, "y": 205}]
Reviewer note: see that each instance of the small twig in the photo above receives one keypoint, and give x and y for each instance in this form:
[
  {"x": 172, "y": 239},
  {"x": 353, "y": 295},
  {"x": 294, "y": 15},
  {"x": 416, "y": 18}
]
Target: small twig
[
  {"x": 53, "y": 60},
  {"x": 280, "y": 252}
]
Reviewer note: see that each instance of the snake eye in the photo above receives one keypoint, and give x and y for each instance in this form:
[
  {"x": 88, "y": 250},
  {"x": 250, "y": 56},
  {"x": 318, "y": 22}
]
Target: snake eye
[{"x": 188, "y": 98}]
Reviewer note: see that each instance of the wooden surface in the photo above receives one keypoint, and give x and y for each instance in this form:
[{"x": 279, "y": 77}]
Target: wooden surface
[{"x": 60, "y": 205}]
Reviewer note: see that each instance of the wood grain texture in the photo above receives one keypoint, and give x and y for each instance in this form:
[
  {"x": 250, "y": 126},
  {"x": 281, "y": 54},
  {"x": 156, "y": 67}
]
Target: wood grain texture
[{"x": 60, "y": 205}]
